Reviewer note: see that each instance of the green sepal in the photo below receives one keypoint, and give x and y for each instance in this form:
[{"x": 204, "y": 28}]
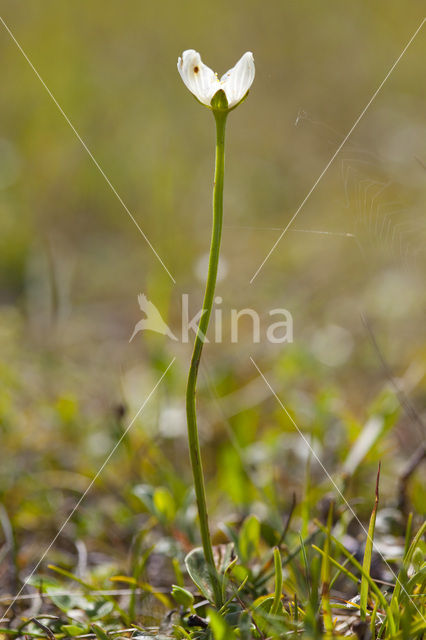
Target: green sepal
[{"x": 219, "y": 101}]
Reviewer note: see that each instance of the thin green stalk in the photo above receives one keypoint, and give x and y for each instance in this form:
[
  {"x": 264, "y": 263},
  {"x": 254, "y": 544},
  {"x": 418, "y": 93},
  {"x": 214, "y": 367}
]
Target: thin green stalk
[{"x": 194, "y": 444}]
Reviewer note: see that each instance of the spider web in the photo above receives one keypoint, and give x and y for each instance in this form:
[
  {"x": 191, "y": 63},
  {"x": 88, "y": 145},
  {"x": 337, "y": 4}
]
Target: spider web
[
  {"x": 384, "y": 216},
  {"x": 382, "y": 220}
]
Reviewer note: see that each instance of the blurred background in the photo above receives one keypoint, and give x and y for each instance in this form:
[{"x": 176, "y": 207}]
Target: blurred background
[{"x": 350, "y": 269}]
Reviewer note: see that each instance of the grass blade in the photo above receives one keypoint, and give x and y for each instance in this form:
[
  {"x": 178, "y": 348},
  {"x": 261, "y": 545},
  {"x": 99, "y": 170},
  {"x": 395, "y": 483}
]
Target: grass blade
[
  {"x": 325, "y": 576},
  {"x": 366, "y": 565}
]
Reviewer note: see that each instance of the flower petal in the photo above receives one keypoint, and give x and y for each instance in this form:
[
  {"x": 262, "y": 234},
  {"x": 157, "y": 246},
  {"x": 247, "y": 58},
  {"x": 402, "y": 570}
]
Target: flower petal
[
  {"x": 197, "y": 76},
  {"x": 238, "y": 80}
]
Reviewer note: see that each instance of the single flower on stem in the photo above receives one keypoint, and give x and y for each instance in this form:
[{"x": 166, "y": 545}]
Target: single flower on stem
[
  {"x": 205, "y": 84},
  {"x": 221, "y": 96}
]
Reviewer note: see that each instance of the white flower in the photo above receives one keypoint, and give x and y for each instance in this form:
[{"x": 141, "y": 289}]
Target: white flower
[{"x": 204, "y": 83}]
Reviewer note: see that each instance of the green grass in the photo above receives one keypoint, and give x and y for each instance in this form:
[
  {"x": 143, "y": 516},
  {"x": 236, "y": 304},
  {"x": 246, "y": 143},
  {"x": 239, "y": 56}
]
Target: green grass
[
  {"x": 289, "y": 603},
  {"x": 276, "y": 584}
]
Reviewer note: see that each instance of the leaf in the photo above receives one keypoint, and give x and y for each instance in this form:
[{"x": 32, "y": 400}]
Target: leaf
[
  {"x": 99, "y": 609},
  {"x": 245, "y": 626},
  {"x": 161, "y": 597},
  {"x": 220, "y": 629},
  {"x": 145, "y": 494},
  {"x": 263, "y": 602},
  {"x": 182, "y": 596},
  {"x": 197, "y": 568},
  {"x": 71, "y": 576},
  {"x": 99, "y": 632},
  {"x": 73, "y": 630},
  {"x": 240, "y": 573},
  {"x": 278, "y": 582},
  {"x": 326, "y": 575},
  {"x": 224, "y": 557},
  {"x": 261, "y": 608},
  {"x": 249, "y": 537},
  {"x": 126, "y": 579},
  {"x": 181, "y": 633},
  {"x": 366, "y": 564},
  {"x": 164, "y": 504},
  {"x": 67, "y": 602}
]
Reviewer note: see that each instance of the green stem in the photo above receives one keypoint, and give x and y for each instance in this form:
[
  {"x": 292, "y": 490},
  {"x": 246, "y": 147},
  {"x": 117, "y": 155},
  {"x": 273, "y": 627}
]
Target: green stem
[{"x": 194, "y": 444}]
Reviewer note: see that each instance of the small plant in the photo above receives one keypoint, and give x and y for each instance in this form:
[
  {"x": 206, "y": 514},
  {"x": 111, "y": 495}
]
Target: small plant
[
  {"x": 310, "y": 568},
  {"x": 221, "y": 97}
]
